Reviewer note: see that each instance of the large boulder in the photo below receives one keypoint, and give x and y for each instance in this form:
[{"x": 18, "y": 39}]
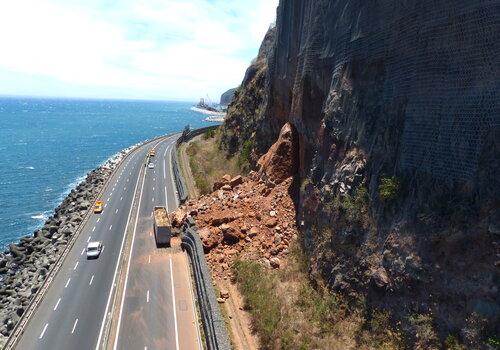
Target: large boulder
[
  {"x": 281, "y": 160},
  {"x": 210, "y": 238}
]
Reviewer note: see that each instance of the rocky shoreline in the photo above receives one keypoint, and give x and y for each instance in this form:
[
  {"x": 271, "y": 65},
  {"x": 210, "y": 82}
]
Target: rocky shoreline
[{"x": 25, "y": 265}]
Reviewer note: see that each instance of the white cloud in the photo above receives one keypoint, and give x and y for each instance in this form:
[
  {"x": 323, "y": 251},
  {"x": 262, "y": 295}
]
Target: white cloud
[{"x": 143, "y": 49}]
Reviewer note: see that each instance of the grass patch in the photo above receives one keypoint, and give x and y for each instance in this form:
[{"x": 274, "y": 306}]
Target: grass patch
[
  {"x": 208, "y": 163},
  {"x": 289, "y": 313}
]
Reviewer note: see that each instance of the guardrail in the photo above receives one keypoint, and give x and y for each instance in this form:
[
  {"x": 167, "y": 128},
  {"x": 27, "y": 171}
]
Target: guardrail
[
  {"x": 40, "y": 294},
  {"x": 213, "y": 323}
]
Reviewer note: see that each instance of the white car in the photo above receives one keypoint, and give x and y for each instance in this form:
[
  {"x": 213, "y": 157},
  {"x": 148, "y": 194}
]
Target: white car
[
  {"x": 94, "y": 250},
  {"x": 151, "y": 166}
]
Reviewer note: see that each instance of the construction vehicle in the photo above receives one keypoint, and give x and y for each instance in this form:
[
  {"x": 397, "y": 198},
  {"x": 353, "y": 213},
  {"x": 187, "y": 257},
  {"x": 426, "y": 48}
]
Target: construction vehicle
[
  {"x": 152, "y": 152},
  {"x": 162, "y": 227},
  {"x": 98, "y": 207}
]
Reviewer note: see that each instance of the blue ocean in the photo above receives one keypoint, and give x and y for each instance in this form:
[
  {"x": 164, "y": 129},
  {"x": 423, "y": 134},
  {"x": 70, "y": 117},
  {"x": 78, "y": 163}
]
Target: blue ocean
[{"x": 48, "y": 145}]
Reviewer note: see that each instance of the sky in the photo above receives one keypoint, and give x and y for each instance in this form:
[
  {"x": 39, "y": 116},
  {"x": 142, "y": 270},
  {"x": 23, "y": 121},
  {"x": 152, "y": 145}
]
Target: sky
[{"x": 146, "y": 49}]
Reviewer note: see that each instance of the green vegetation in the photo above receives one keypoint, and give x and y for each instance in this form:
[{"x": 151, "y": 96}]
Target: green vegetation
[
  {"x": 289, "y": 313},
  {"x": 493, "y": 341},
  {"x": 244, "y": 157},
  {"x": 389, "y": 188},
  {"x": 451, "y": 343},
  {"x": 208, "y": 163},
  {"x": 353, "y": 208},
  {"x": 209, "y": 134}
]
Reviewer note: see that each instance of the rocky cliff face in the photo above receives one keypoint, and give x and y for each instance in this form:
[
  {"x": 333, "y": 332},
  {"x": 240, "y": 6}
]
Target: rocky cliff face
[
  {"x": 396, "y": 108},
  {"x": 227, "y": 97}
]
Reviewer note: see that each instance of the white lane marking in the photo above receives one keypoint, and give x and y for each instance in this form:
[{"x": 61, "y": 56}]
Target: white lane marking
[
  {"x": 127, "y": 180},
  {"x": 108, "y": 199},
  {"x": 110, "y": 227},
  {"x": 83, "y": 251},
  {"x": 98, "y": 219},
  {"x": 102, "y": 251},
  {"x": 147, "y": 297},
  {"x": 153, "y": 199},
  {"x": 91, "y": 279},
  {"x": 43, "y": 332},
  {"x": 116, "y": 211},
  {"x": 125, "y": 188},
  {"x": 154, "y": 179},
  {"x": 164, "y": 173},
  {"x": 74, "y": 326},
  {"x": 149, "y": 259},
  {"x": 66, "y": 286},
  {"x": 76, "y": 265},
  {"x": 116, "y": 270},
  {"x": 57, "y": 304},
  {"x": 93, "y": 229},
  {"x": 121, "y": 198},
  {"x": 88, "y": 239},
  {"x": 105, "y": 205},
  {"x": 153, "y": 188},
  {"x": 174, "y": 306},
  {"x": 150, "y": 234}
]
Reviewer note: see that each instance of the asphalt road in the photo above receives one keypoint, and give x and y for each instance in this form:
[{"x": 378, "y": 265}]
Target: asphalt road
[{"x": 72, "y": 312}]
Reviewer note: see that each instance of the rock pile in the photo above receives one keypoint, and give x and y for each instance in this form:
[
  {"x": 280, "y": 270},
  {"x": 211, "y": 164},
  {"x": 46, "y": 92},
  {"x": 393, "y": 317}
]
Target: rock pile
[
  {"x": 249, "y": 217},
  {"x": 244, "y": 217},
  {"x": 25, "y": 265}
]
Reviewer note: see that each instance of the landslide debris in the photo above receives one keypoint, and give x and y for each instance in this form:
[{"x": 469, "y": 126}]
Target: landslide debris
[{"x": 249, "y": 217}]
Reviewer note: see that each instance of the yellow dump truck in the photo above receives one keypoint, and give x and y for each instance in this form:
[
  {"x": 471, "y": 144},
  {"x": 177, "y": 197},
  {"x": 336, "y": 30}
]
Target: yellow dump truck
[
  {"x": 98, "y": 207},
  {"x": 162, "y": 227}
]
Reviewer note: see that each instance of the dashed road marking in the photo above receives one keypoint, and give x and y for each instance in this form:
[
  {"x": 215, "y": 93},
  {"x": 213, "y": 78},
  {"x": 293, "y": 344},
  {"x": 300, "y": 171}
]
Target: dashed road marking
[
  {"x": 57, "y": 304},
  {"x": 66, "y": 285},
  {"x": 98, "y": 219},
  {"x": 121, "y": 198},
  {"x": 93, "y": 229},
  {"x": 149, "y": 259},
  {"x": 88, "y": 239},
  {"x": 116, "y": 211},
  {"x": 91, "y": 279},
  {"x": 147, "y": 297},
  {"x": 43, "y": 332},
  {"x": 74, "y": 326},
  {"x": 83, "y": 251},
  {"x": 153, "y": 199},
  {"x": 76, "y": 265},
  {"x": 110, "y": 227}
]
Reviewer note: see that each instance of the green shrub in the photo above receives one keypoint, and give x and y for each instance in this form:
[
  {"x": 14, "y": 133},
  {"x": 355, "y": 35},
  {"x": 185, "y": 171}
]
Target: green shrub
[
  {"x": 451, "y": 343},
  {"x": 389, "y": 188},
  {"x": 209, "y": 134},
  {"x": 246, "y": 151}
]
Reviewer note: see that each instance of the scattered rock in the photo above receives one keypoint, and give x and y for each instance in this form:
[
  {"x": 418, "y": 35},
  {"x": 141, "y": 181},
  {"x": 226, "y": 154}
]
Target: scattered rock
[
  {"x": 275, "y": 262},
  {"x": 235, "y": 181}
]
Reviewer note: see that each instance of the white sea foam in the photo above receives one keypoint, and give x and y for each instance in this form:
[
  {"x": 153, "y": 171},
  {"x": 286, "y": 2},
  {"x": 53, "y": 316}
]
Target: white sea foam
[
  {"x": 30, "y": 168},
  {"x": 43, "y": 216}
]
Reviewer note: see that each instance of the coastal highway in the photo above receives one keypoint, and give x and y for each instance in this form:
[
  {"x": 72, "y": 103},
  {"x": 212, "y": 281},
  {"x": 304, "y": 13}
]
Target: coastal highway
[{"x": 156, "y": 308}]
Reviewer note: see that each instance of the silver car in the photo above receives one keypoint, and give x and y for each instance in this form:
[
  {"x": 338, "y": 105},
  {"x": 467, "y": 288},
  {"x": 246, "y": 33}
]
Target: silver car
[
  {"x": 94, "y": 250},
  {"x": 151, "y": 166}
]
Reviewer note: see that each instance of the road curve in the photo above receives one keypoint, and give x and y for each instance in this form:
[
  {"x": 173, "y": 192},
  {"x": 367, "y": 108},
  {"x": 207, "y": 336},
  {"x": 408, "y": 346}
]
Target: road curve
[{"x": 75, "y": 306}]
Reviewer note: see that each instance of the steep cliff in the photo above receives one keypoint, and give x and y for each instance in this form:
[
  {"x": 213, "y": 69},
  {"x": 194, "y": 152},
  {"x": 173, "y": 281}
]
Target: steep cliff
[
  {"x": 227, "y": 97},
  {"x": 397, "y": 112}
]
